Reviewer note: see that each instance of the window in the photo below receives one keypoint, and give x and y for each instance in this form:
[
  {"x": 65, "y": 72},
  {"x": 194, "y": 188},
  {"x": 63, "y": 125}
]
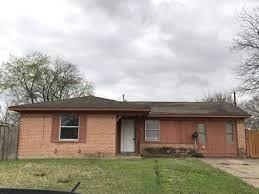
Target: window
[
  {"x": 229, "y": 128},
  {"x": 202, "y": 133},
  {"x": 152, "y": 130},
  {"x": 69, "y": 126}
]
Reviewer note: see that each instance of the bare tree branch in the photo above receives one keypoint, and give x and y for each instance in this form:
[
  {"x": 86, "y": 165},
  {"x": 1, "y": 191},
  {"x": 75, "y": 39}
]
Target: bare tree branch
[
  {"x": 218, "y": 97},
  {"x": 247, "y": 41},
  {"x": 252, "y": 107}
]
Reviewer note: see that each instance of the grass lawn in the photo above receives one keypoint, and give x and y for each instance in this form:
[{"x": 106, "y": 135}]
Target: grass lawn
[{"x": 121, "y": 176}]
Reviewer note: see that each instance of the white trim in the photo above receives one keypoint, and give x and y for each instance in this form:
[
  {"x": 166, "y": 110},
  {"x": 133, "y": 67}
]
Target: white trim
[
  {"x": 69, "y": 126},
  {"x": 78, "y": 130},
  {"x": 152, "y": 130},
  {"x": 69, "y": 140}
]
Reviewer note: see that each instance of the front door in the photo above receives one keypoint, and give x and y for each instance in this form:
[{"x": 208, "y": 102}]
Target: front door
[{"x": 127, "y": 136}]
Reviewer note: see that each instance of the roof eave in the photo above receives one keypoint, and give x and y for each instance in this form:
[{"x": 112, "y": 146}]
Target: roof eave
[
  {"x": 19, "y": 109},
  {"x": 199, "y": 115}
]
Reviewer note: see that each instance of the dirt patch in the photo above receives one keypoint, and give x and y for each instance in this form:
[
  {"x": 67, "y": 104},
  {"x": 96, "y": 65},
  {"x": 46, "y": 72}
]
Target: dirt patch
[{"x": 246, "y": 169}]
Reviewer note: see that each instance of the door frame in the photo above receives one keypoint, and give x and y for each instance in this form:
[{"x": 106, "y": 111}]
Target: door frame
[{"x": 119, "y": 136}]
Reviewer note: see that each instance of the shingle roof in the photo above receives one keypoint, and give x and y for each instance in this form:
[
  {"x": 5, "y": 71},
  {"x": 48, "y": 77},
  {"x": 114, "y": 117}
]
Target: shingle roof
[
  {"x": 86, "y": 102},
  {"x": 193, "y": 108},
  {"x": 153, "y": 108}
]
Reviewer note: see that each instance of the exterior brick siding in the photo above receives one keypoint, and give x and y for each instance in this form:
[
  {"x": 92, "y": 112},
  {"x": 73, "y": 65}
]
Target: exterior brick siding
[
  {"x": 241, "y": 138},
  {"x": 102, "y": 138},
  {"x": 180, "y": 132},
  {"x": 35, "y": 138}
]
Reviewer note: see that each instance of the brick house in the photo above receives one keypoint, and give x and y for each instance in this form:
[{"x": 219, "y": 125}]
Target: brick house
[{"x": 91, "y": 125}]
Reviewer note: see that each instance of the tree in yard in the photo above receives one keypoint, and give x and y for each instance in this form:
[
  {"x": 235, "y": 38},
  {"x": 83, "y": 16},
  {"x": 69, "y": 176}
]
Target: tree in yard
[
  {"x": 7, "y": 116},
  {"x": 252, "y": 107},
  {"x": 247, "y": 42},
  {"x": 37, "y": 78},
  {"x": 218, "y": 97}
]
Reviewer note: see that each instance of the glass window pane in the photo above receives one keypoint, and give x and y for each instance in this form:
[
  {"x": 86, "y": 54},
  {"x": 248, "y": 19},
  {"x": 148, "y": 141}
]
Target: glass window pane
[
  {"x": 202, "y": 138},
  {"x": 69, "y": 120},
  {"x": 229, "y": 127},
  {"x": 152, "y": 135},
  {"x": 202, "y": 128},
  {"x": 230, "y": 138},
  {"x": 152, "y": 124},
  {"x": 69, "y": 133}
]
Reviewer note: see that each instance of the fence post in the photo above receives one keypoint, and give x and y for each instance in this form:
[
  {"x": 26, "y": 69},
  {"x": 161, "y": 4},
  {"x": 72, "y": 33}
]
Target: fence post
[{"x": 1, "y": 142}]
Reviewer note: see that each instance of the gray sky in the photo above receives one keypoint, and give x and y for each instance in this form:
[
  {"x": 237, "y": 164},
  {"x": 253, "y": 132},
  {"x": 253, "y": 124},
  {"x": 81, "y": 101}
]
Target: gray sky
[{"x": 175, "y": 50}]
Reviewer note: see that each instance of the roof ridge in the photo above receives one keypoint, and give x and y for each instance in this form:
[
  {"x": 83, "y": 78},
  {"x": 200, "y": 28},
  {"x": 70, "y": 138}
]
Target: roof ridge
[
  {"x": 65, "y": 99},
  {"x": 178, "y": 102},
  {"x": 106, "y": 99},
  {"x": 87, "y": 96}
]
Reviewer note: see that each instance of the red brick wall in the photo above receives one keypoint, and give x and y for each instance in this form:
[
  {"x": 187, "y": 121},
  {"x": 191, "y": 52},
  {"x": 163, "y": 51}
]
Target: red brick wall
[
  {"x": 216, "y": 144},
  {"x": 35, "y": 137},
  {"x": 241, "y": 138},
  {"x": 173, "y": 133},
  {"x": 178, "y": 133}
]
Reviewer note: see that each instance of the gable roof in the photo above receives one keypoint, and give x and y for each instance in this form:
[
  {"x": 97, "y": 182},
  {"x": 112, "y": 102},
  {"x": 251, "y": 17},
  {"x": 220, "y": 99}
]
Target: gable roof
[
  {"x": 81, "y": 103},
  {"x": 176, "y": 109},
  {"x": 193, "y": 108}
]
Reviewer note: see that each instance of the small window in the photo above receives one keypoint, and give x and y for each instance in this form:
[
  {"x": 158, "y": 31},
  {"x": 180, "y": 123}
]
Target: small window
[
  {"x": 69, "y": 127},
  {"x": 152, "y": 130},
  {"x": 202, "y": 133},
  {"x": 229, "y": 128}
]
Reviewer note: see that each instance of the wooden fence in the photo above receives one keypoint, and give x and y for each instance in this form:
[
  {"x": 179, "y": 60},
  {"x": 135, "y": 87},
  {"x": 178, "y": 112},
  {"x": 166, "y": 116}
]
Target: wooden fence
[
  {"x": 8, "y": 142},
  {"x": 252, "y": 143}
]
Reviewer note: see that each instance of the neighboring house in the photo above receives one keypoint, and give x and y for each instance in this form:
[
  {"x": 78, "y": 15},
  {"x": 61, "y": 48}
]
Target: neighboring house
[{"x": 97, "y": 126}]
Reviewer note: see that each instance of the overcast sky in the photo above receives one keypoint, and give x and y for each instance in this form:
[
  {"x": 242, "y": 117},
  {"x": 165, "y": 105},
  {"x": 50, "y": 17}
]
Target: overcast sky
[{"x": 175, "y": 50}]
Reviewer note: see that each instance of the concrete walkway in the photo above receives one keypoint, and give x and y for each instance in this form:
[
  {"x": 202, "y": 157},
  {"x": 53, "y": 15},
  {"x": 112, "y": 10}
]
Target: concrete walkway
[{"x": 246, "y": 169}]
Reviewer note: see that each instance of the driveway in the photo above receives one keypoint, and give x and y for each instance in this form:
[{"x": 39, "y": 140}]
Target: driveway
[{"x": 246, "y": 169}]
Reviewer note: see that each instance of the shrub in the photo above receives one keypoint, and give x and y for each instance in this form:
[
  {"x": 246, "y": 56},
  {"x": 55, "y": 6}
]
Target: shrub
[
  {"x": 169, "y": 151},
  {"x": 197, "y": 155}
]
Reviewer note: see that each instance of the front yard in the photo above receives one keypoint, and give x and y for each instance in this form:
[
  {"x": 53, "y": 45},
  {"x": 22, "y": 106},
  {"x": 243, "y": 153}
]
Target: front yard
[{"x": 121, "y": 176}]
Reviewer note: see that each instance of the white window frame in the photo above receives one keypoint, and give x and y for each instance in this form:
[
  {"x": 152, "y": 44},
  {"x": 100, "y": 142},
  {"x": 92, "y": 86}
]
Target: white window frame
[
  {"x": 60, "y": 126},
  {"x": 152, "y": 130}
]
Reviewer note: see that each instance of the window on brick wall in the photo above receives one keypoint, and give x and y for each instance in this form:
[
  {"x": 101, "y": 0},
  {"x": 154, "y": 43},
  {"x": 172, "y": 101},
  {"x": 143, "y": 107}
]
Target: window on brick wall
[
  {"x": 202, "y": 133},
  {"x": 69, "y": 127},
  {"x": 229, "y": 129},
  {"x": 152, "y": 130}
]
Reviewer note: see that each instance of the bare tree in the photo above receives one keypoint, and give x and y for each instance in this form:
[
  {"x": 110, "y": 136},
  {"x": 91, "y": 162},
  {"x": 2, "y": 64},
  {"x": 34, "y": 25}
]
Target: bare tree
[
  {"x": 38, "y": 78},
  {"x": 247, "y": 42},
  {"x": 218, "y": 97},
  {"x": 7, "y": 116},
  {"x": 252, "y": 107}
]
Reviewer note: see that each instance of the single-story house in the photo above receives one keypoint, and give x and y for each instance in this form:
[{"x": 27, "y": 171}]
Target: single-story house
[{"x": 92, "y": 125}]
